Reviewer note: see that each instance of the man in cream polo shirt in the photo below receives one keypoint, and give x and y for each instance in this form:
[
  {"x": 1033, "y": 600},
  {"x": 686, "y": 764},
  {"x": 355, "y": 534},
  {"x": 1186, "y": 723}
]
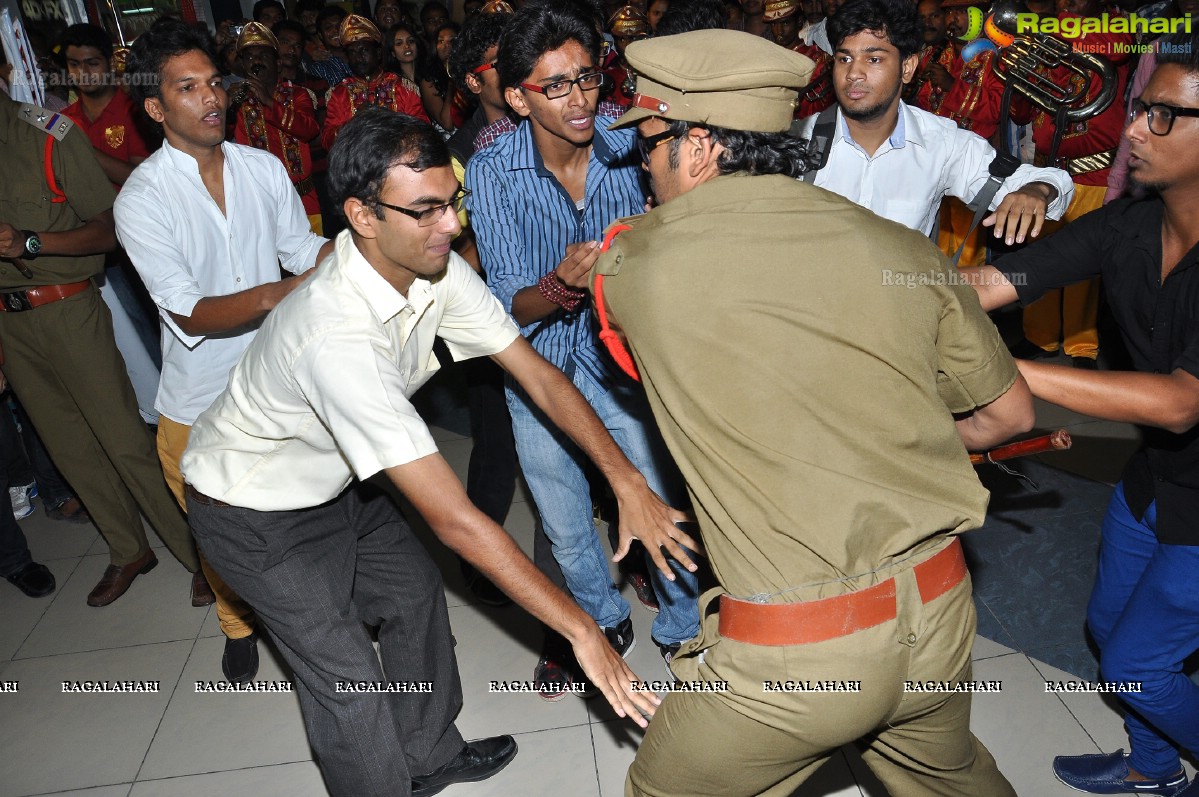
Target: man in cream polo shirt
[{"x": 319, "y": 402}]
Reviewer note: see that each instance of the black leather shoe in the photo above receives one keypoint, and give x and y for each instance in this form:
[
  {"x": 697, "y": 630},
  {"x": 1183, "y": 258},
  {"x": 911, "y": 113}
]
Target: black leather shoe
[
  {"x": 34, "y": 580},
  {"x": 240, "y": 662},
  {"x": 479, "y": 760}
]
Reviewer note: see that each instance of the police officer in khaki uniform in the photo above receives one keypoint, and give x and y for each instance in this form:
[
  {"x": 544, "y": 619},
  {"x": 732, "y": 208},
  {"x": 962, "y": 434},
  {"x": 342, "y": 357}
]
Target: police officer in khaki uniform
[
  {"x": 805, "y": 360},
  {"x": 59, "y": 353}
]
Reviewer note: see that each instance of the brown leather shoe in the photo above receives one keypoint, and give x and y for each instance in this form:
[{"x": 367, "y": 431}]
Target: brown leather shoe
[
  {"x": 116, "y": 580},
  {"x": 202, "y": 594}
]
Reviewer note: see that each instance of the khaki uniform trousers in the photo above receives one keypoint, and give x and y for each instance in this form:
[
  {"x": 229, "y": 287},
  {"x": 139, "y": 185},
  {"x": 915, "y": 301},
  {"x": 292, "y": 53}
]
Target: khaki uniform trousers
[
  {"x": 235, "y": 615},
  {"x": 64, "y": 366},
  {"x": 752, "y": 742},
  {"x": 1071, "y": 314}
]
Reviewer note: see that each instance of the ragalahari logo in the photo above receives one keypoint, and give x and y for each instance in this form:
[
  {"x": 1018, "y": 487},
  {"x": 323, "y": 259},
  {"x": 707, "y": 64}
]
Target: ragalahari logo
[
  {"x": 982, "y": 32},
  {"x": 1074, "y": 27}
]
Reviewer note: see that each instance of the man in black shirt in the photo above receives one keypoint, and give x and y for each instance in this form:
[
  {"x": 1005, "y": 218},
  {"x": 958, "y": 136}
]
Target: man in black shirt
[{"x": 1144, "y": 608}]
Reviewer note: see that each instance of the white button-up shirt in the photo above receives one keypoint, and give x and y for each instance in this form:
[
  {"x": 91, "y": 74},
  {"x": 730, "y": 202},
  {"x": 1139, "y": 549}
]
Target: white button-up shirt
[
  {"x": 321, "y": 395},
  {"x": 185, "y": 249},
  {"x": 926, "y": 159}
]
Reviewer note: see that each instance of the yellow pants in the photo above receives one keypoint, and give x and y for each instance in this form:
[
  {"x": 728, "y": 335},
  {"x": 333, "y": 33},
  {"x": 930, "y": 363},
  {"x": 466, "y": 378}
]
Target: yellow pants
[
  {"x": 955, "y": 223},
  {"x": 1068, "y": 315},
  {"x": 235, "y": 615},
  {"x": 317, "y": 224}
]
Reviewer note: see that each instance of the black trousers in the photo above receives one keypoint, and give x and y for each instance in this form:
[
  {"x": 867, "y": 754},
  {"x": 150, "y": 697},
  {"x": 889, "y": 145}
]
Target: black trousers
[{"x": 314, "y": 578}]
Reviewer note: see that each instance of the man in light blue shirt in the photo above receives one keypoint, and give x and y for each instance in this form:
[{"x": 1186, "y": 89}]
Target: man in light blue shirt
[{"x": 543, "y": 196}]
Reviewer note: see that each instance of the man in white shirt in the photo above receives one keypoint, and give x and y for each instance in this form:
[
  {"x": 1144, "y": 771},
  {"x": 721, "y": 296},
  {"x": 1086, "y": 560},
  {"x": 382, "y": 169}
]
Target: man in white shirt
[
  {"x": 320, "y": 401},
  {"x": 901, "y": 161},
  {"x": 206, "y": 223},
  {"x": 817, "y": 32}
]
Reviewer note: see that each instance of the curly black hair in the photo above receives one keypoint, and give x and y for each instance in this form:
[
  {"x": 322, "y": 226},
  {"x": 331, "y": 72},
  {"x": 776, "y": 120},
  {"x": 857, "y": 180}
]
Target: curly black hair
[
  {"x": 746, "y": 151},
  {"x": 540, "y": 28},
  {"x": 165, "y": 39},
  {"x": 478, "y": 35},
  {"x": 898, "y": 20}
]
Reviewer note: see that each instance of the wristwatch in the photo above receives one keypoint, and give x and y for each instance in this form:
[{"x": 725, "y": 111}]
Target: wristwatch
[{"x": 33, "y": 244}]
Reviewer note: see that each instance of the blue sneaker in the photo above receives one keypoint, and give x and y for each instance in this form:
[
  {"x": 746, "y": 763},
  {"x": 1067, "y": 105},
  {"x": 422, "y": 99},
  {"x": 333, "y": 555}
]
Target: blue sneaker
[{"x": 1107, "y": 773}]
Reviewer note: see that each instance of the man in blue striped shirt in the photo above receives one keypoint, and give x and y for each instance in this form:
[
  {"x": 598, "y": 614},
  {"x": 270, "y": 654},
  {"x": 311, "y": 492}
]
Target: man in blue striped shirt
[{"x": 543, "y": 195}]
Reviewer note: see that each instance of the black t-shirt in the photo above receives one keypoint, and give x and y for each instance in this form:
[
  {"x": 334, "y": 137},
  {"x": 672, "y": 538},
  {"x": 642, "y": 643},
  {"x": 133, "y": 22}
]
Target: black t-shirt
[{"x": 1159, "y": 321}]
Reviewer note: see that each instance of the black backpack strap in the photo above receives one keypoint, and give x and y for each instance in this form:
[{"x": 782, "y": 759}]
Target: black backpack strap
[
  {"x": 820, "y": 143},
  {"x": 1003, "y": 167}
]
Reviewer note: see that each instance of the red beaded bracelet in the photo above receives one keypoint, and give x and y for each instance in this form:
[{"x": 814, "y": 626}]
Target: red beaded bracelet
[{"x": 555, "y": 291}]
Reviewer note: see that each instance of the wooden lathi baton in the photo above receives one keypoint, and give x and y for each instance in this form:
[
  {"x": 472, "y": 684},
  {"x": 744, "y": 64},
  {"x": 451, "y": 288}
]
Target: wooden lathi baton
[{"x": 1055, "y": 441}]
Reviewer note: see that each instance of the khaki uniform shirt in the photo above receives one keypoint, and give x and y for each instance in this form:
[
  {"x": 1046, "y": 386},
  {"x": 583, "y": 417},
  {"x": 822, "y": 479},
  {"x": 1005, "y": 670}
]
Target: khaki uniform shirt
[
  {"x": 25, "y": 196},
  {"x": 803, "y": 357}
]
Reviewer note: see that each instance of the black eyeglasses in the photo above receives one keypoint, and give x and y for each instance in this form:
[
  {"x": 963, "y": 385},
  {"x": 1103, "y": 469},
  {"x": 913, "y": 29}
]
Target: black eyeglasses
[
  {"x": 588, "y": 81},
  {"x": 647, "y": 144},
  {"x": 430, "y": 216},
  {"x": 1161, "y": 116}
]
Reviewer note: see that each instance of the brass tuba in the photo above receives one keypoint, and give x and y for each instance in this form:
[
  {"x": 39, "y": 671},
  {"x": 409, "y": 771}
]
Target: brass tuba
[{"x": 1018, "y": 65}]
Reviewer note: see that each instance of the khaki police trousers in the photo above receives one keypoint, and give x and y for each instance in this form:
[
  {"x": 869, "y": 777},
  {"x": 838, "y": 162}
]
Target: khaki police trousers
[
  {"x": 63, "y": 363},
  {"x": 751, "y": 741}
]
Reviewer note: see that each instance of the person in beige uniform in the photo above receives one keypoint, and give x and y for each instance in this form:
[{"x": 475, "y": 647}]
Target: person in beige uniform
[
  {"x": 59, "y": 353},
  {"x": 805, "y": 360}
]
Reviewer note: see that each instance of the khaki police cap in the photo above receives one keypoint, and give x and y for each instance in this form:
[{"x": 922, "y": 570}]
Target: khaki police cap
[{"x": 725, "y": 78}]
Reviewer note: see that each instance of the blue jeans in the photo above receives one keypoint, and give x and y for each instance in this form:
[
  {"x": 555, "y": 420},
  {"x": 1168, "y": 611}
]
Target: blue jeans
[
  {"x": 552, "y": 465},
  {"x": 1144, "y": 615}
]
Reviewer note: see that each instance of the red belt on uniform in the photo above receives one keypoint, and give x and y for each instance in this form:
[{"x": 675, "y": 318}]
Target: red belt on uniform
[
  {"x": 29, "y": 298},
  {"x": 829, "y": 618}
]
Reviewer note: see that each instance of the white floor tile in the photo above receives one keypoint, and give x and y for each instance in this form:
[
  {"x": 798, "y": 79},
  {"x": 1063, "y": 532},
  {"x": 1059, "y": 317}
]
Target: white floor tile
[
  {"x": 56, "y": 539},
  {"x": 519, "y": 524},
  {"x": 116, "y": 790},
  {"x": 1098, "y": 714},
  {"x": 302, "y": 779},
  {"x": 212, "y": 625},
  {"x": 22, "y": 613},
  {"x": 1023, "y": 726},
  {"x": 988, "y": 649},
  {"x": 202, "y": 732},
  {"x": 616, "y": 742},
  {"x": 503, "y": 645},
  {"x": 157, "y": 608},
  {"x": 53, "y": 741},
  {"x": 553, "y": 763}
]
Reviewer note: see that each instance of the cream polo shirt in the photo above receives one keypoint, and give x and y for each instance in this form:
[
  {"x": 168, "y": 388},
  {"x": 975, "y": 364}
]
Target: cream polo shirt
[
  {"x": 184, "y": 249},
  {"x": 321, "y": 395}
]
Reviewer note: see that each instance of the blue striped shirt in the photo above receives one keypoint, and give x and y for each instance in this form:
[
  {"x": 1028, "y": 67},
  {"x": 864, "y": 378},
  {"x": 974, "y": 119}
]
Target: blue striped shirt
[{"x": 524, "y": 219}]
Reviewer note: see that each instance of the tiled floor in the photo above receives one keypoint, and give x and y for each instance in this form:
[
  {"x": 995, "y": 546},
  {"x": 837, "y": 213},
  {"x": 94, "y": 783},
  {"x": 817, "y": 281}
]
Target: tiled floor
[{"x": 178, "y": 743}]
